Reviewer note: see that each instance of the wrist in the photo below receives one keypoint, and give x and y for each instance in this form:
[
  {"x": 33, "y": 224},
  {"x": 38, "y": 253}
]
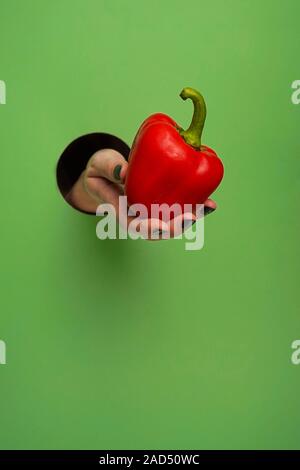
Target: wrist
[{"x": 80, "y": 198}]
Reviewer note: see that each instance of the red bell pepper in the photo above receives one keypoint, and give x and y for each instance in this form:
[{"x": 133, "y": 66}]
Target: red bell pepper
[{"x": 170, "y": 165}]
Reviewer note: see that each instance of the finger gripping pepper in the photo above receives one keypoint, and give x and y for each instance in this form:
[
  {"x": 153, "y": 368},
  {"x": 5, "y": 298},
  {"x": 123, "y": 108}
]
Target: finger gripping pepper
[{"x": 170, "y": 165}]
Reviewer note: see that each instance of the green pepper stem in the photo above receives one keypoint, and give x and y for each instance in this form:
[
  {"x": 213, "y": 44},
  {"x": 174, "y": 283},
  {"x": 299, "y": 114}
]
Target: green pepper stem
[{"x": 192, "y": 135}]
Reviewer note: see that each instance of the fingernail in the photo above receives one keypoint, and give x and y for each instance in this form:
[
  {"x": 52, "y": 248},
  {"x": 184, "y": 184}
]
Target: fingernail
[
  {"x": 208, "y": 210},
  {"x": 187, "y": 223},
  {"x": 117, "y": 172},
  {"x": 158, "y": 232}
]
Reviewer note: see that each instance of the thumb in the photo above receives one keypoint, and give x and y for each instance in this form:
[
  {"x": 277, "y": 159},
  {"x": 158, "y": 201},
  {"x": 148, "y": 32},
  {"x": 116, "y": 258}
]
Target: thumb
[{"x": 109, "y": 164}]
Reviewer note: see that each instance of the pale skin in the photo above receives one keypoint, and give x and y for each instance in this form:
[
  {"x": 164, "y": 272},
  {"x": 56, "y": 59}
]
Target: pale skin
[{"x": 103, "y": 180}]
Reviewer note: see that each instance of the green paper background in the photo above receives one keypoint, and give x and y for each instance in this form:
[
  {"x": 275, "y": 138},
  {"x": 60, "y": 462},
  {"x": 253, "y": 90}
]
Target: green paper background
[{"x": 131, "y": 344}]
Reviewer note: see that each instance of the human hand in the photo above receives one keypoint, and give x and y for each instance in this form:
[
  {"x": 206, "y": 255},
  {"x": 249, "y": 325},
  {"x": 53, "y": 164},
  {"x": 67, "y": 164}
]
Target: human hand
[{"x": 103, "y": 182}]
